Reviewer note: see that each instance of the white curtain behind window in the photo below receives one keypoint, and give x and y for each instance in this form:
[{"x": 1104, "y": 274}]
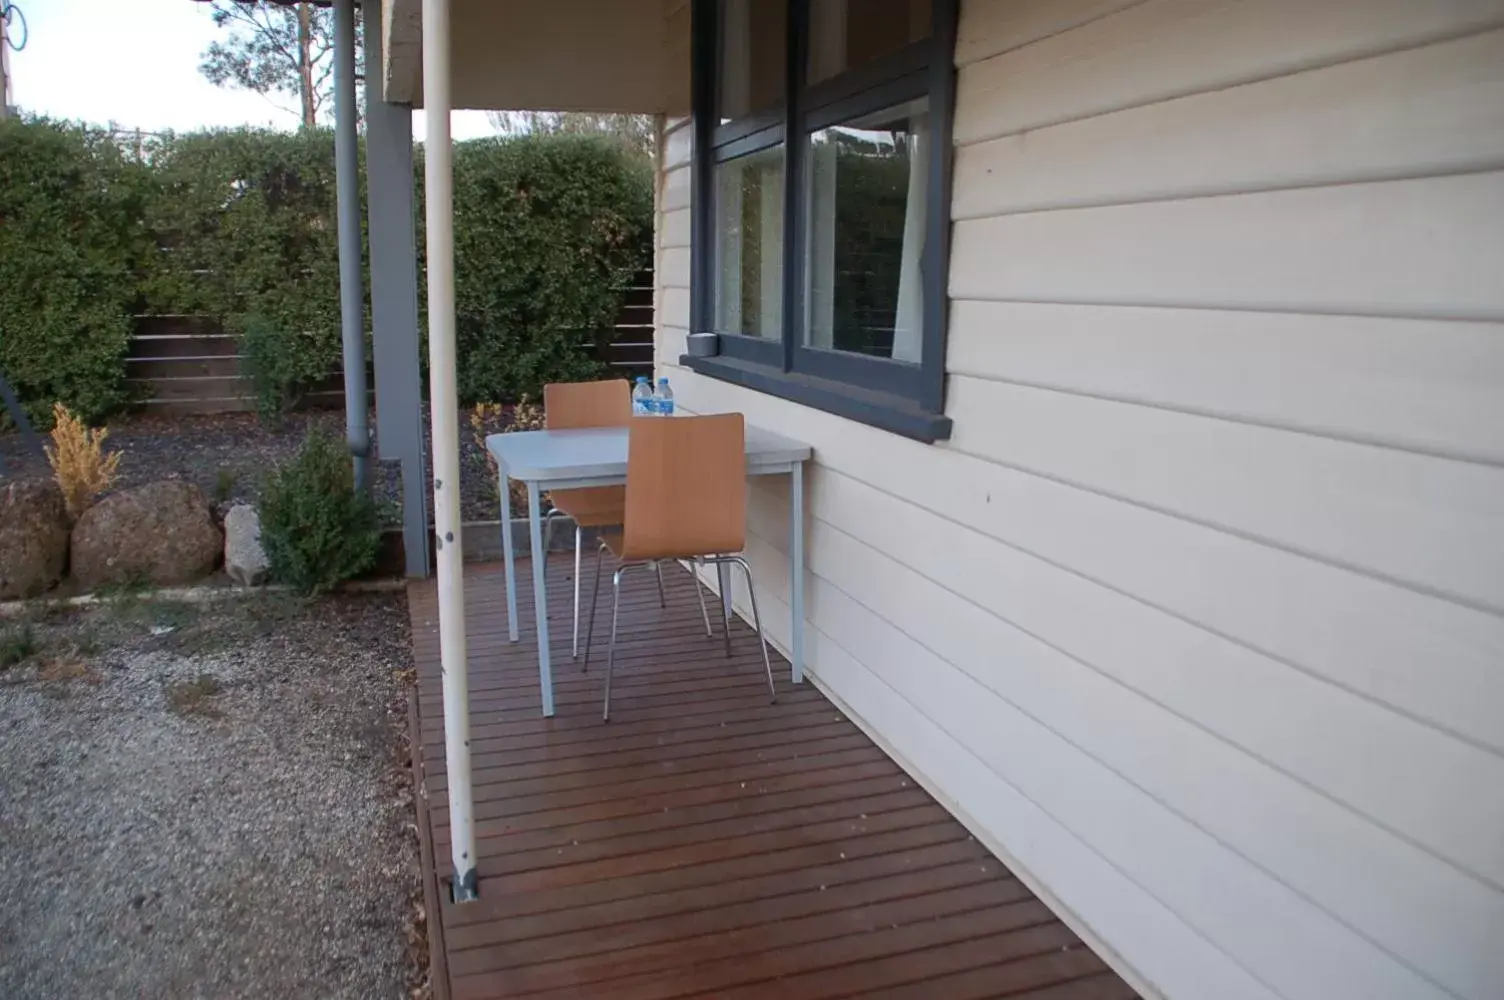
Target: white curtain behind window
[
  {"x": 908, "y": 327},
  {"x": 821, "y": 304}
]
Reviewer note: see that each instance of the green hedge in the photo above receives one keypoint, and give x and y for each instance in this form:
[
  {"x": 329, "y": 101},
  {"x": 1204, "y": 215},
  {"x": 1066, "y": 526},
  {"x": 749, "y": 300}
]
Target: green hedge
[
  {"x": 72, "y": 243},
  {"x": 246, "y": 222},
  {"x": 549, "y": 231},
  {"x": 240, "y": 225}
]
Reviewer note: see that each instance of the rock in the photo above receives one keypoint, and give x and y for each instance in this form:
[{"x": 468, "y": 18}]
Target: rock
[
  {"x": 161, "y": 533},
  {"x": 33, "y": 538},
  {"x": 245, "y": 559}
]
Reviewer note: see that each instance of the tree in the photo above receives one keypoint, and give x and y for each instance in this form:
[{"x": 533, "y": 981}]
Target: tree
[
  {"x": 634, "y": 133},
  {"x": 276, "y": 49}
]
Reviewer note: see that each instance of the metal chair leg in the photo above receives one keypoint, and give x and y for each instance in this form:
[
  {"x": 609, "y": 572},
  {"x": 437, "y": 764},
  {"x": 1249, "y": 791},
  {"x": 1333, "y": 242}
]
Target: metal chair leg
[
  {"x": 700, "y": 593},
  {"x": 579, "y": 539},
  {"x": 611, "y": 649},
  {"x": 757, "y": 623},
  {"x": 658, "y": 571},
  {"x": 548, "y": 528},
  {"x": 595, "y": 598},
  {"x": 725, "y": 603}
]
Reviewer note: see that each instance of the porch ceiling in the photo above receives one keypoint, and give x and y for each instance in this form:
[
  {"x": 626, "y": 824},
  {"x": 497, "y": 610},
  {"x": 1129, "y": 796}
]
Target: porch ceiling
[{"x": 549, "y": 55}]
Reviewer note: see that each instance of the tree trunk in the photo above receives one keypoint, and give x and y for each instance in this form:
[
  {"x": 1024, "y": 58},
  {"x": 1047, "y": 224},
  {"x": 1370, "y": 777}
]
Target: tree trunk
[{"x": 305, "y": 64}]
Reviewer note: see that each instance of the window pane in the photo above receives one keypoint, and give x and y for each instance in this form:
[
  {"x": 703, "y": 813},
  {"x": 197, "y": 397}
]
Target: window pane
[
  {"x": 752, "y": 59},
  {"x": 866, "y": 233},
  {"x": 844, "y": 34},
  {"x": 749, "y": 244}
]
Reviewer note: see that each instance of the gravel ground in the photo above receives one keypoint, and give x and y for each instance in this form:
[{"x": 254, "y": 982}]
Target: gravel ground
[
  {"x": 209, "y": 801},
  {"x": 226, "y": 456}
]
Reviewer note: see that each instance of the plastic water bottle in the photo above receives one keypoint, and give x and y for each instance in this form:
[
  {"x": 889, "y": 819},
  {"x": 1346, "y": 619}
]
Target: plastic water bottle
[
  {"x": 642, "y": 398},
  {"x": 663, "y": 399}
]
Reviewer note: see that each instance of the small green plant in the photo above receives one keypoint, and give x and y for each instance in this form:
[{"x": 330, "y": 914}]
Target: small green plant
[
  {"x": 163, "y": 614},
  {"x": 268, "y": 359},
  {"x": 86, "y": 643},
  {"x": 125, "y": 597},
  {"x": 224, "y": 485},
  {"x": 318, "y": 529},
  {"x": 18, "y": 643},
  {"x": 195, "y": 697}
]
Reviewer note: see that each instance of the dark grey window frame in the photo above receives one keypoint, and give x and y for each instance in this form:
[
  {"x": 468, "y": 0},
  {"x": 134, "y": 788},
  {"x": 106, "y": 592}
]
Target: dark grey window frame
[{"x": 902, "y": 397}]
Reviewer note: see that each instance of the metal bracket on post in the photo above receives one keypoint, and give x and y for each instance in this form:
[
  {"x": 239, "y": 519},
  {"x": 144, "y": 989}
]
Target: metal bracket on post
[{"x": 465, "y": 888}]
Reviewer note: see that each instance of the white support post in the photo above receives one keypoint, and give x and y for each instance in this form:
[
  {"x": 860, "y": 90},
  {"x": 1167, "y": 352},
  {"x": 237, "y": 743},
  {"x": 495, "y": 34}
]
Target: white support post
[{"x": 438, "y": 184}]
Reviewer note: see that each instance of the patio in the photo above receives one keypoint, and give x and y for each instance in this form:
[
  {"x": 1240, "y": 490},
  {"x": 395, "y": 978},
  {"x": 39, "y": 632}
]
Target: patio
[{"x": 704, "y": 842}]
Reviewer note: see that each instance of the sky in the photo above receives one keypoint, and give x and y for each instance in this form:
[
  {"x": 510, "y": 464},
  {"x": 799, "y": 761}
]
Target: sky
[{"x": 135, "y": 63}]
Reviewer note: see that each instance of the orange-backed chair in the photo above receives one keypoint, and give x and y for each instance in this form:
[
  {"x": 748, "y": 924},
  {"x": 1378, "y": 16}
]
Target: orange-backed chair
[
  {"x": 574, "y": 406},
  {"x": 686, "y": 498}
]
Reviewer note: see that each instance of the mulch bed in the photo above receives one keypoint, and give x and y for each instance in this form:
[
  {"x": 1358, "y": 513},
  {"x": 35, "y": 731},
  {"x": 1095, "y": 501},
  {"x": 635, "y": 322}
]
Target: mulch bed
[{"x": 228, "y": 455}]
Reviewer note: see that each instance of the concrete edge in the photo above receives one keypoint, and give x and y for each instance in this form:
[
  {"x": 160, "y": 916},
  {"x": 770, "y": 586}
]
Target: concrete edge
[
  {"x": 481, "y": 540},
  {"x": 201, "y": 594}
]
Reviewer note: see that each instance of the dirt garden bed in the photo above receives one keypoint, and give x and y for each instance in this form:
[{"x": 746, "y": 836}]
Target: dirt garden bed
[
  {"x": 208, "y": 800},
  {"x": 227, "y": 455}
]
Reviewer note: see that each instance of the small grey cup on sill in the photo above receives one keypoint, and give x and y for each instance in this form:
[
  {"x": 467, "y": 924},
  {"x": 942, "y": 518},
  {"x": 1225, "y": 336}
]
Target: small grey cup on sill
[{"x": 703, "y": 345}]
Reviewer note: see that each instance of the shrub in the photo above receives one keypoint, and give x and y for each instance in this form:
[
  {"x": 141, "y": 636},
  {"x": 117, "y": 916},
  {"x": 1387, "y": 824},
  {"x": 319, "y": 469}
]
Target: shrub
[
  {"x": 79, "y": 463},
  {"x": 247, "y": 223},
  {"x": 18, "y": 643},
  {"x": 318, "y": 529},
  {"x": 72, "y": 242},
  {"x": 268, "y": 358},
  {"x": 494, "y": 418},
  {"x": 549, "y": 231}
]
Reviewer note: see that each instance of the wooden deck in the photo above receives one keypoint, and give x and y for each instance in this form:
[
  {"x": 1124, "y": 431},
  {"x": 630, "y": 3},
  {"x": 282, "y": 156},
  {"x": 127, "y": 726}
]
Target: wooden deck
[{"x": 704, "y": 842}]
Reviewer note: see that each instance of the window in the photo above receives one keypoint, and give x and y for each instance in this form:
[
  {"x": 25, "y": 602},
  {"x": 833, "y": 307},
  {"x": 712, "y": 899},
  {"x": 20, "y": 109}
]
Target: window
[
  {"x": 749, "y": 244},
  {"x": 821, "y": 191},
  {"x": 866, "y": 230},
  {"x": 839, "y": 42},
  {"x": 751, "y": 71}
]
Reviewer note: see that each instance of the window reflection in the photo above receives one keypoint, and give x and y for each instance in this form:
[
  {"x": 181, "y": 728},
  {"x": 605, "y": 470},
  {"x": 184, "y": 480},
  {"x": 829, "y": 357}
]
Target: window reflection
[
  {"x": 753, "y": 46},
  {"x": 749, "y": 244},
  {"x": 844, "y": 34},
  {"x": 866, "y": 229}
]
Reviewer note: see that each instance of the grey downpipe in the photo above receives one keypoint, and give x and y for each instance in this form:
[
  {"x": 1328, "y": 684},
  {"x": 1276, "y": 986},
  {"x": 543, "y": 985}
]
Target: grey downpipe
[
  {"x": 13, "y": 406},
  {"x": 351, "y": 289}
]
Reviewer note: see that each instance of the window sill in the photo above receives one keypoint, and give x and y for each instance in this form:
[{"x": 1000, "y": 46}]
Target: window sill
[{"x": 876, "y": 409}]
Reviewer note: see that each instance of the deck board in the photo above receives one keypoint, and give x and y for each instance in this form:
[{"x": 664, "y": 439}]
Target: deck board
[{"x": 704, "y": 842}]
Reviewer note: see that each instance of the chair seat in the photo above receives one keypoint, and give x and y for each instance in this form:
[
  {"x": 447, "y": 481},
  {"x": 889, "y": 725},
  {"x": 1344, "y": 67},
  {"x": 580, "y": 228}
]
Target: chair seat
[{"x": 615, "y": 541}]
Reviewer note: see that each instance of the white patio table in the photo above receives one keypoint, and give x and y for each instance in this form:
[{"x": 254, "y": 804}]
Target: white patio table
[{"x": 550, "y": 460}]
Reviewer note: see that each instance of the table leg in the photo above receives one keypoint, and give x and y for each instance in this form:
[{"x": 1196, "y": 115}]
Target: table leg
[
  {"x": 508, "y": 557},
  {"x": 796, "y": 568},
  {"x": 540, "y": 596},
  {"x": 723, "y": 581}
]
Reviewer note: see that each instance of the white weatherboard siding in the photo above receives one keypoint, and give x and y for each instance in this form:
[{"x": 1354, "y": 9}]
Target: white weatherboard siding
[{"x": 1198, "y": 618}]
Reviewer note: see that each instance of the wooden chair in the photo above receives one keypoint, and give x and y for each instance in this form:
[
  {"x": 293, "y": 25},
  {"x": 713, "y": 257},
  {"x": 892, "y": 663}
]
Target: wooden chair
[
  {"x": 686, "y": 498},
  {"x": 574, "y": 406}
]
